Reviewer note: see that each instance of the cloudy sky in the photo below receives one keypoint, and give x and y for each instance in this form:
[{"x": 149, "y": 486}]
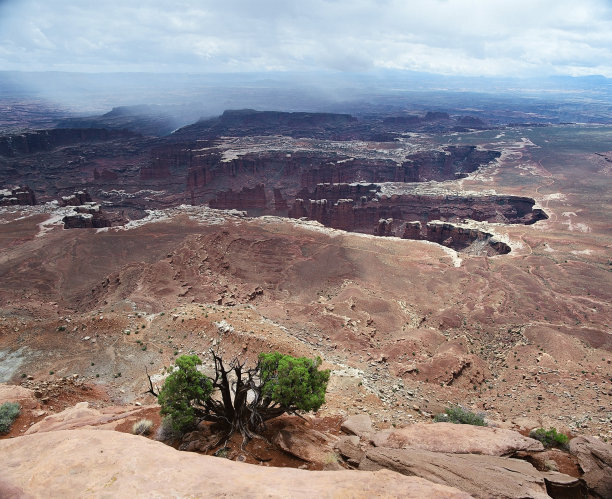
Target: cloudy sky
[{"x": 463, "y": 37}]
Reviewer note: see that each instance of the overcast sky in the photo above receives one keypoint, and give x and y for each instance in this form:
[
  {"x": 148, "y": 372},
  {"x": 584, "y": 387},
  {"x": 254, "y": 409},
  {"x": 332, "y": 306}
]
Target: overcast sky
[{"x": 464, "y": 37}]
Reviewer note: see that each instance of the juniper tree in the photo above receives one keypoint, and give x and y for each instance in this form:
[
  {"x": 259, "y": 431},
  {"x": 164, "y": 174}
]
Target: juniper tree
[{"x": 238, "y": 398}]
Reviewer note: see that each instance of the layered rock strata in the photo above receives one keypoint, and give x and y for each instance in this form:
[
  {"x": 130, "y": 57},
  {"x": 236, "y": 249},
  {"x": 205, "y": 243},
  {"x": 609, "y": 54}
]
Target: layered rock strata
[
  {"x": 17, "y": 196},
  {"x": 86, "y": 216}
]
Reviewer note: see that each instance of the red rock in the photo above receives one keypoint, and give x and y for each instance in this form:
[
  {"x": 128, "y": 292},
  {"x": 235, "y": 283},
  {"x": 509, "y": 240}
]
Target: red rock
[
  {"x": 359, "y": 424},
  {"x": 481, "y": 476},
  {"x": 88, "y": 462},
  {"x": 455, "y": 438},
  {"x": 17, "y": 196},
  {"x": 595, "y": 459},
  {"x": 298, "y": 439},
  {"x": 247, "y": 199}
]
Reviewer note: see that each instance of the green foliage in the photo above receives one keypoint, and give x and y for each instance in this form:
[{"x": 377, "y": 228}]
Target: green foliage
[
  {"x": 293, "y": 381},
  {"x": 182, "y": 389},
  {"x": 458, "y": 415},
  {"x": 8, "y": 414},
  {"x": 550, "y": 438}
]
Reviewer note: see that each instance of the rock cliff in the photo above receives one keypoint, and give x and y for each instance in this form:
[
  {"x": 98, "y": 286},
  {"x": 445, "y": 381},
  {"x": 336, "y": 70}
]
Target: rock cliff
[{"x": 45, "y": 140}]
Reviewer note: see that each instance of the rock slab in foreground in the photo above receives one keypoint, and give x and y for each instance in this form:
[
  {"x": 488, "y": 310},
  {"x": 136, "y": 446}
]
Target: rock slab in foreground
[
  {"x": 456, "y": 439},
  {"x": 595, "y": 459},
  {"x": 482, "y": 476},
  {"x": 75, "y": 463}
]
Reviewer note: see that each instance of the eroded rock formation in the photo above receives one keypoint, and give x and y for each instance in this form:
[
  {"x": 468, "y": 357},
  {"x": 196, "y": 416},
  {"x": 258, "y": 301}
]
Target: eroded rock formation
[
  {"x": 17, "y": 196},
  {"x": 416, "y": 215},
  {"x": 86, "y": 216},
  {"x": 79, "y": 198}
]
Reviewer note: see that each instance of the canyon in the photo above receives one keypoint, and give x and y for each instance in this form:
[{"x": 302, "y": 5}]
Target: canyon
[
  {"x": 324, "y": 168},
  {"x": 428, "y": 258}
]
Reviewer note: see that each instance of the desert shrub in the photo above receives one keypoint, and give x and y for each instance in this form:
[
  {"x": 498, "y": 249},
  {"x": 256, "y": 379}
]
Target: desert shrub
[
  {"x": 8, "y": 414},
  {"x": 550, "y": 437},
  {"x": 458, "y": 415},
  {"x": 166, "y": 431},
  {"x": 142, "y": 427}
]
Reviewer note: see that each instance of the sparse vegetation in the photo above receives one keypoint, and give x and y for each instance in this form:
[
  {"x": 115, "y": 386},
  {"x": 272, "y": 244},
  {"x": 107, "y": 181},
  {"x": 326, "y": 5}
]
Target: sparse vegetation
[
  {"x": 331, "y": 458},
  {"x": 458, "y": 415},
  {"x": 166, "y": 431},
  {"x": 248, "y": 396},
  {"x": 8, "y": 414},
  {"x": 142, "y": 427},
  {"x": 550, "y": 437}
]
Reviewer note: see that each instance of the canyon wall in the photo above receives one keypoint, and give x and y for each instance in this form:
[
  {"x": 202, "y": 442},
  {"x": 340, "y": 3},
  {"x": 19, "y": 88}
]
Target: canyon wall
[
  {"x": 45, "y": 140},
  {"x": 17, "y": 196}
]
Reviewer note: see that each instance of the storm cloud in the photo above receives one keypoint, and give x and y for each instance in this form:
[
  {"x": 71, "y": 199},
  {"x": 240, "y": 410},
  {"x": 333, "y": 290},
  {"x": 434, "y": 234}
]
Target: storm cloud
[{"x": 458, "y": 37}]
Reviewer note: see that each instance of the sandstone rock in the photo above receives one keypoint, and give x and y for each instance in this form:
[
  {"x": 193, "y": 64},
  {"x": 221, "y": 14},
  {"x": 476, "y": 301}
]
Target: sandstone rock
[
  {"x": 199, "y": 440},
  {"x": 481, "y": 476},
  {"x": 550, "y": 460},
  {"x": 595, "y": 459},
  {"x": 15, "y": 393},
  {"x": 562, "y": 486},
  {"x": 303, "y": 442},
  {"x": 77, "y": 199},
  {"x": 82, "y": 415},
  {"x": 456, "y": 438},
  {"x": 17, "y": 196},
  {"x": 360, "y": 425},
  {"x": 76, "y": 463},
  {"x": 246, "y": 199},
  {"x": 349, "y": 448},
  {"x": 10, "y": 491}
]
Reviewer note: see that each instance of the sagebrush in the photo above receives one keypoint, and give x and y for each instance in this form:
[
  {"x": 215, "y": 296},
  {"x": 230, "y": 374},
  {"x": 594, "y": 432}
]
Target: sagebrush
[
  {"x": 458, "y": 415},
  {"x": 142, "y": 427},
  {"x": 9, "y": 411}
]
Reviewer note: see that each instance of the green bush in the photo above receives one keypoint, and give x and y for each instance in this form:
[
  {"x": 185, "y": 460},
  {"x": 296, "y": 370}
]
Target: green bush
[
  {"x": 183, "y": 389},
  {"x": 458, "y": 415},
  {"x": 293, "y": 381},
  {"x": 8, "y": 414},
  {"x": 550, "y": 438}
]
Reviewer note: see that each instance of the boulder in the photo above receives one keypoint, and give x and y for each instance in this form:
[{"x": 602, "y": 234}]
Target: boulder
[
  {"x": 562, "y": 486},
  {"x": 349, "y": 448},
  {"x": 456, "y": 438},
  {"x": 595, "y": 460},
  {"x": 360, "y": 425},
  {"x": 75, "y": 463},
  {"x": 303, "y": 442},
  {"x": 481, "y": 476},
  {"x": 81, "y": 415}
]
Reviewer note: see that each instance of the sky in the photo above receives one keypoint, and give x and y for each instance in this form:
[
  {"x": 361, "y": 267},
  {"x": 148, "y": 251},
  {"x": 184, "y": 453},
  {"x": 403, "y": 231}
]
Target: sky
[{"x": 452, "y": 37}]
